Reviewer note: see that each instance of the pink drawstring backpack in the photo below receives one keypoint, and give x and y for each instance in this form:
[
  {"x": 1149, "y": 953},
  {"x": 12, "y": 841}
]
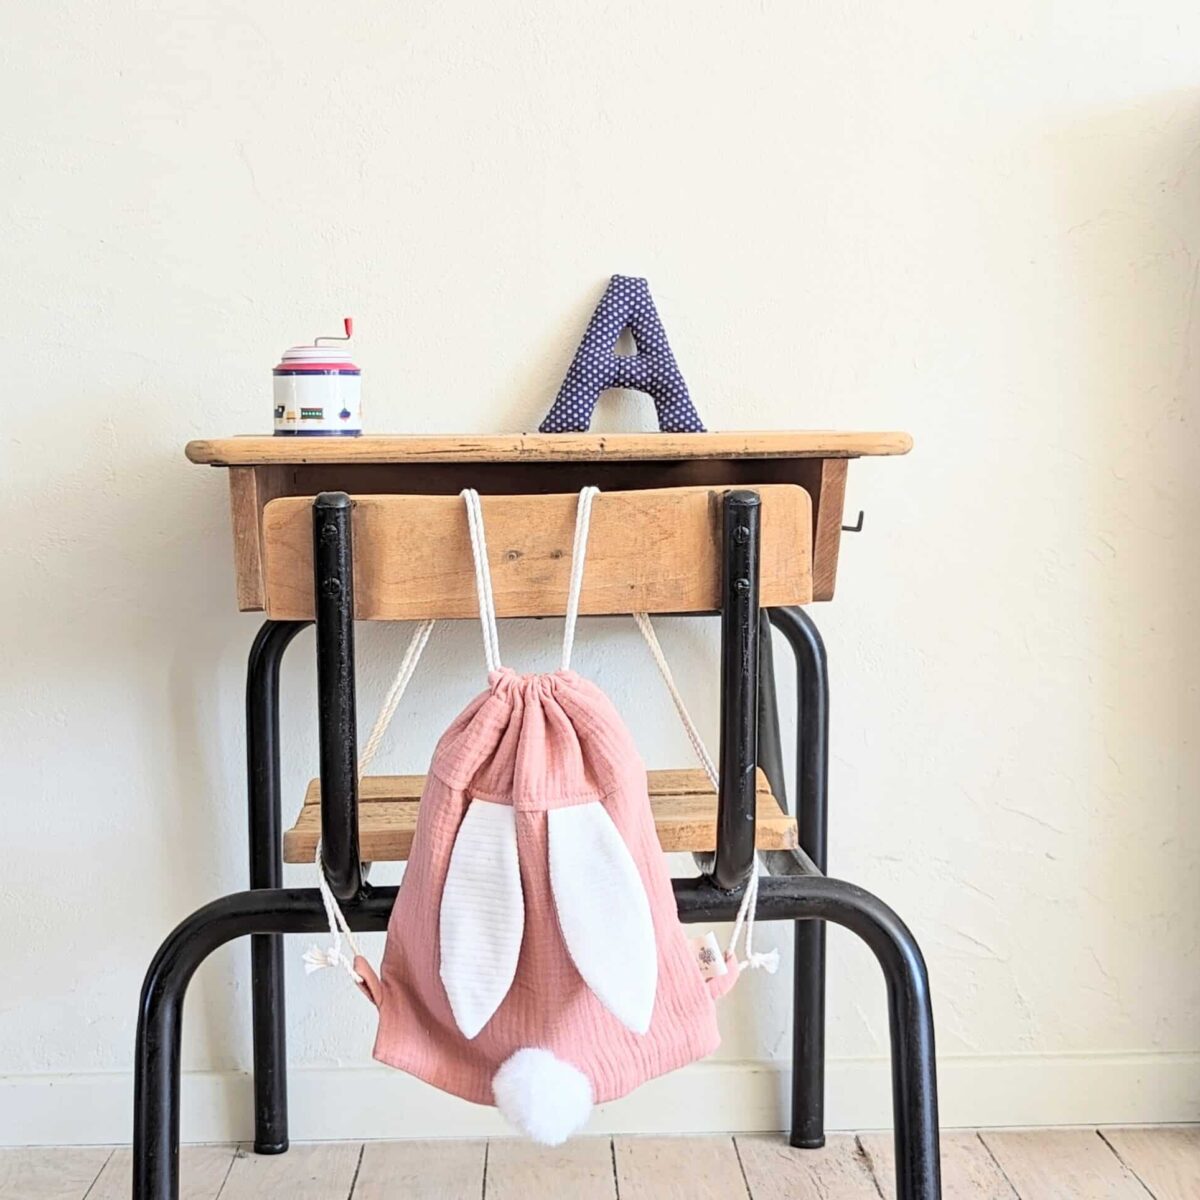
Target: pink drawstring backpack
[{"x": 534, "y": 958}]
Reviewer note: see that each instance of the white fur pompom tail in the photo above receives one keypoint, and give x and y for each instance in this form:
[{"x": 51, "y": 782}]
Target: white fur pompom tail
[{"x": 542, "y": 1096}]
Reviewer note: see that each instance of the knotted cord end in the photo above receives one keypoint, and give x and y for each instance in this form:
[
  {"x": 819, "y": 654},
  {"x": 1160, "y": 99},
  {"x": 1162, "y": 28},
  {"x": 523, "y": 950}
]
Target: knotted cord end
[
  {"x": 762, "y": 960},
  {"x": 316, "y": 959}
]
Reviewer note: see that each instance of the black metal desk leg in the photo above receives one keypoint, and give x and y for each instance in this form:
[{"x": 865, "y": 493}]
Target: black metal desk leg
[
  {"x": 264, "y": 912},
  {"x": 812, "y": 817},
  {"x": 337, "y": 722},
  {"x": 805, "y": 897},
  {"x": 770, "y": 741},
  {"x": 738, "y": 755},
  {"x": 266, "y": 871}
]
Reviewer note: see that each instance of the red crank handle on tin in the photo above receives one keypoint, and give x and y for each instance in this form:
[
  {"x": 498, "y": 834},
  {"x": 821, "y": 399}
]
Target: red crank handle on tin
[{"x": 347, "y": 324}]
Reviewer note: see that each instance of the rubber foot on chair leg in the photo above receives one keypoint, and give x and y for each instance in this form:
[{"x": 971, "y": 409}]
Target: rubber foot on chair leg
[
  {"x": 806, "y": 1143},
  {"x": 271, "y": 1147}
]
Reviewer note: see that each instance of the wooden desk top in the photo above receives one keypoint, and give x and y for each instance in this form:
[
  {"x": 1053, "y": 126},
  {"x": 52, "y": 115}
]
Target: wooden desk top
[
  {"x": 262, "y": 469},
  {"x": 543, "y": 447}
]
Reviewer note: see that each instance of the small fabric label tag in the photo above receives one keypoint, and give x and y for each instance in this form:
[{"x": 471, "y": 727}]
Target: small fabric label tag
[{"x": 708, "y": 956}]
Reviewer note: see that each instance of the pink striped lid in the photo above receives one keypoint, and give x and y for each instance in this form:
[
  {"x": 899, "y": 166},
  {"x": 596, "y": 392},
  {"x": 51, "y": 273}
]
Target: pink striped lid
[{"x": 316, "y": 358}]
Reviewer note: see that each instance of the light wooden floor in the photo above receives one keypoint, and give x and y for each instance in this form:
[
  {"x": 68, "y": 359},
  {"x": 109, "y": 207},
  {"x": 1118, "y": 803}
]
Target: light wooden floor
[{"x": 1049, "y": 1164}]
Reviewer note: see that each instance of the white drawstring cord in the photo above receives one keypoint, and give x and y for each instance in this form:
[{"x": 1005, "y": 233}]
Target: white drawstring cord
[
  {"x": 583, "y": 518},
  {"x": 483, "y": 579},
  {"x": 767, "y": 960},
  {"x": 660, "y": 659},
  {"x": 314, "y": 957},
  {"x": 395, "y": 693}
]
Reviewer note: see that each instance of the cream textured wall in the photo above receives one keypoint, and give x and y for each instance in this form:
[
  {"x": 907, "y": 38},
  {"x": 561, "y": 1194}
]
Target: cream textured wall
[{"x": 980, "y": 223}]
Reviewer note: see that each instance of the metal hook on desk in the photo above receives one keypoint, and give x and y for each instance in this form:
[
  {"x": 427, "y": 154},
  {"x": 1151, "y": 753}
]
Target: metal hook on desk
[{"x": 857, "y": 526}]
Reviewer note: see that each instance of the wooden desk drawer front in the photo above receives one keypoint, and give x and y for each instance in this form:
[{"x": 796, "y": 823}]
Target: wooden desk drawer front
[{"x": 649, "y": 551}]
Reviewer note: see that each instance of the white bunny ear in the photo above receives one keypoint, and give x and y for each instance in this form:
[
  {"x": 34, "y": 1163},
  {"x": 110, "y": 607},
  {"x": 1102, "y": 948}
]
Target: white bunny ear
[
  {"x": 603, "y": 912},
  {"x": 483, "y": 915}
]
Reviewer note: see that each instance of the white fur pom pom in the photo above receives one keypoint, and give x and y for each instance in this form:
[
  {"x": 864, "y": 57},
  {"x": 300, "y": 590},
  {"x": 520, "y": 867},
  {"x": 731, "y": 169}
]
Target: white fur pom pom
[{"x": 542, "y": 1096}]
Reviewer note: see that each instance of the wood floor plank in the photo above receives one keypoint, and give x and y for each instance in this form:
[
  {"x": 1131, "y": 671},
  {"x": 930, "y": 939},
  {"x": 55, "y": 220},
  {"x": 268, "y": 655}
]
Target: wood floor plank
[
  {"x": 316, "y": 1171},
  {"x": 1053, "y": 1164},
  {"x": 776, "y": 1171},
  {"x": 440, "y": 1169},
  {"x": 678, "y": 1168},
  {"x": 1062, "y": 1164},
  {"x": 520, "y": 1170},
  {"x": 968, "y": 1170},
  {"x": 1165, "y": 1158},
  {"x": 202, "y": 1172},
  {"x": 50, "y": 1172}
]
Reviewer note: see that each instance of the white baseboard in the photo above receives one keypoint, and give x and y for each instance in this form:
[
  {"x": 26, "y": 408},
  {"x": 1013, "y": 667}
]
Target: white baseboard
[{"x": 372, "y": 1102}]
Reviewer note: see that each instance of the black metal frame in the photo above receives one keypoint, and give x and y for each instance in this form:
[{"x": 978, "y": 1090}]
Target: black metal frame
[
  {"x": 812, "y": 821},
  {"x": 266, "y": 871},
  {"x": 798, "y": 890}
]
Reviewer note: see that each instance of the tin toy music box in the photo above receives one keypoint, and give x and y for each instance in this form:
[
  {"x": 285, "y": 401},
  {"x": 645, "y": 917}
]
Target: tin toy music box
[{"x": 318, "y": 390}]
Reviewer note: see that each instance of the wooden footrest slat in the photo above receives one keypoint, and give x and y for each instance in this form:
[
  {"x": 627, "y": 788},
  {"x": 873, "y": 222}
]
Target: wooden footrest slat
[{"x": 683, "y": 802}]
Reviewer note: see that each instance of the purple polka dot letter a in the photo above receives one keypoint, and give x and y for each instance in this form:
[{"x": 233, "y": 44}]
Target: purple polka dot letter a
[{"x": 626, "y": 304}]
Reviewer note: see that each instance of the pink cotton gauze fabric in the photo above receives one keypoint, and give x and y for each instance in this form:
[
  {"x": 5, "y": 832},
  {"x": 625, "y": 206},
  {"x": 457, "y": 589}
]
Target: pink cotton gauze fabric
[{"x": 537, "y": 743}]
